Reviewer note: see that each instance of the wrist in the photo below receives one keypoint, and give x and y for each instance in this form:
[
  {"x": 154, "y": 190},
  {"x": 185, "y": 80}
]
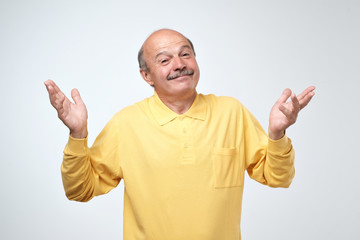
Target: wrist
[
  {"x": 276, "y": 135},
  {"x": 79, "y": 134}
]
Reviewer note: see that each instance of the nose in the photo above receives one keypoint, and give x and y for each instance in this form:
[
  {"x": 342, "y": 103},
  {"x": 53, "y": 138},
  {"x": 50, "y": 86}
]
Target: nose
[{"x": 178, "y": 64}]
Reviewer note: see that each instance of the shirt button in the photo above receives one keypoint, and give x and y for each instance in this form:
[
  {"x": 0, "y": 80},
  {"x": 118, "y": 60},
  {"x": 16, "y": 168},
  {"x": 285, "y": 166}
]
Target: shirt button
[
  {"x": 181, "y": 118},
  {"x": 184, "y": 130},
  {"x": 186, "y": 145}
]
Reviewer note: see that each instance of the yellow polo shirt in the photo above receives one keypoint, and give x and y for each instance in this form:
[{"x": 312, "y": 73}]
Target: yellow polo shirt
[{"x": 183, "y": 174}]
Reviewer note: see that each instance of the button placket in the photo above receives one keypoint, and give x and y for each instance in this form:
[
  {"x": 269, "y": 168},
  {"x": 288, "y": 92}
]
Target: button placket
[{"x": 187, "y": 149}]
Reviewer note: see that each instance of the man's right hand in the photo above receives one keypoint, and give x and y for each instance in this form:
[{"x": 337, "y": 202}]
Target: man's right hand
[{"x": 74, "y": 116}]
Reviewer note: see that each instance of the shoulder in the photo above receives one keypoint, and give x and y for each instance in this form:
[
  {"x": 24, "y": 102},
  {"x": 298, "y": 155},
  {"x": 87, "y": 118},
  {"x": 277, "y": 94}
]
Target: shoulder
[
  {"x": 131, "y": 112},
  {"x": 225, "y": 106},
  {"x": 223, "y": 102}
]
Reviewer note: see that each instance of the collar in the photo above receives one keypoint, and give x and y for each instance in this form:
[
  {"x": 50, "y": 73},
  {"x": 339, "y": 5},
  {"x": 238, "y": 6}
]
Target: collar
[{"x": 163, "y": 114}]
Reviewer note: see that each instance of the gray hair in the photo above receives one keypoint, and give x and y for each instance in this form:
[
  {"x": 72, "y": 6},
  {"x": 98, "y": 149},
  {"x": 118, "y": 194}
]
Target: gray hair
[{"x": 142, "y": 63}]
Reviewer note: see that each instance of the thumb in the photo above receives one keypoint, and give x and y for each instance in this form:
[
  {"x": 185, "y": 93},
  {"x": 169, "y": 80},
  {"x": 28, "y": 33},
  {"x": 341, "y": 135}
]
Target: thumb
[
  {"x": 76, "y": 96},
  {"x": 285, "y": 95}
]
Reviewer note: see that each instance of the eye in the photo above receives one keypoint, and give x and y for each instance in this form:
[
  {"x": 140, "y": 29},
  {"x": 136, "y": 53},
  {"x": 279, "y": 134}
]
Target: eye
[
  {"x": 186, "y": 54},
  {"x": 162, "y": 61}
]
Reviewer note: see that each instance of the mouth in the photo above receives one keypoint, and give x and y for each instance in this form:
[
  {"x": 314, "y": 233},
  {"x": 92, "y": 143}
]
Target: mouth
[{"x": 181, "y": 74}]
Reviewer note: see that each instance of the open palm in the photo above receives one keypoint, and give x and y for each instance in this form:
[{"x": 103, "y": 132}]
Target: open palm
[
  {"x": 73, "y": 115},
  {"x": 284, "y": 114}
]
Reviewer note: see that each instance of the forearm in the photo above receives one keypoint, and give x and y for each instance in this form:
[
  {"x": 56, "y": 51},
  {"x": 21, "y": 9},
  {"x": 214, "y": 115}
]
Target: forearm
[
  {"x": 76, "y": 169},
  {"x": 279, "y": 168},
  {"x": 79, "y": 134}
]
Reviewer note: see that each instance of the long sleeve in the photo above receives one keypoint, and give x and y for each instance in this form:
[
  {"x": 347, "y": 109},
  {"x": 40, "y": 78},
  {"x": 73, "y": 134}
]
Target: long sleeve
[
  {"x": 276, "y": 167},
  {"x": 267, "y": 161},
  {"x": 88, "y": 172}
]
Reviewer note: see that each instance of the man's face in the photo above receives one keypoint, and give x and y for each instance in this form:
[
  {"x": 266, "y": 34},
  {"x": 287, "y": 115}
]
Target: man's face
[{"x": 173, "y": 70}]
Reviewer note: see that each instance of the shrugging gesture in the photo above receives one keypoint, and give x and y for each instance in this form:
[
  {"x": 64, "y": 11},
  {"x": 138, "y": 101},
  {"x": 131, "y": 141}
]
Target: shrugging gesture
[
  {"x": 73, "y": 115},
  {"x": 284, "y": 114}
]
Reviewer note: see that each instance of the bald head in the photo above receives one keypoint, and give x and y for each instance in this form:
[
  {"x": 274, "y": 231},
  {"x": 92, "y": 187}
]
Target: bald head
[{"x": 154, "y": 39}]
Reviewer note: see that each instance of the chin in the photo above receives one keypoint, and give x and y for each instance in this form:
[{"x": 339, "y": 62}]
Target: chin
[{"x": 186, "y": 90}]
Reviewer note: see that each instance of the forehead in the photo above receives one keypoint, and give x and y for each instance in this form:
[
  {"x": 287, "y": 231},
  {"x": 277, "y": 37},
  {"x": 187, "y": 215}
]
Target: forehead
[{"x": 164, "y": 41}]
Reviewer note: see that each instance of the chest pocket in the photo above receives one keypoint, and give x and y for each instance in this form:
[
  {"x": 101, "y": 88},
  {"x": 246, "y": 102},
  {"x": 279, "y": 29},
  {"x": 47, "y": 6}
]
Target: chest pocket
[{"x": 227, "y": 168}]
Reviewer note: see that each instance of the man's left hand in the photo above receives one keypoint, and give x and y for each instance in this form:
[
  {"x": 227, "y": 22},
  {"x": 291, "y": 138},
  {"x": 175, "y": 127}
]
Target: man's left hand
[{"x": 284, "y": 114}]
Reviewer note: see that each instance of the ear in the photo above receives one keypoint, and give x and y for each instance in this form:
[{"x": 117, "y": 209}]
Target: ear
[{"x": 146, "y": 76}]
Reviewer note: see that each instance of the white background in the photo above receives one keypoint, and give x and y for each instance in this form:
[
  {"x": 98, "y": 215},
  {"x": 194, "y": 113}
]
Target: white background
[{"x": 250, "y": 50}]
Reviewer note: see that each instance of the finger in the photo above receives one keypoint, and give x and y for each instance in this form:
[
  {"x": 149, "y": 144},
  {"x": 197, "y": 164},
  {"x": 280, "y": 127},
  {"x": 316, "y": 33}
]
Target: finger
[
  {"x": 76, "y": 96},
  {"x": 52, "y": 87},
  {"x": 285, "y": 95},
  {"x": 295, "y": 103},
  {"x": 53, "y": 95},
  {"x": 49, "y": 86},
  {"x": 290, "y": 114},
  {"x": 307, "y": 91},
  {"x": 48, "y": 82},
  {"x": 56, "y": 96},
  {"x": 306, "y": 99},
  {"x": 56, "y": 88},
  {"x": 286, "y": 111}
]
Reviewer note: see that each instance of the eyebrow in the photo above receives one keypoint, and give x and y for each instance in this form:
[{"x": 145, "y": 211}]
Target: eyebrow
[{"x": 166, "y": 52}]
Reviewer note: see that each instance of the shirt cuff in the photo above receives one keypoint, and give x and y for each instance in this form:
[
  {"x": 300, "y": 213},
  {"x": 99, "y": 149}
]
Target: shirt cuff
[
  {"x": 282, "y": 145},
  {"x": 77, "y": 146}
]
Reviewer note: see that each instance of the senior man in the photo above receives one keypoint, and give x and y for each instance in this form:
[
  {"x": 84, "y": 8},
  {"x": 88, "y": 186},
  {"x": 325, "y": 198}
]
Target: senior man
[{"x": 181, "y": 155}]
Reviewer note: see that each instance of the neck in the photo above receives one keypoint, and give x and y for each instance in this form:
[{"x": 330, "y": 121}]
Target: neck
[{"x": 179, "y": 105}]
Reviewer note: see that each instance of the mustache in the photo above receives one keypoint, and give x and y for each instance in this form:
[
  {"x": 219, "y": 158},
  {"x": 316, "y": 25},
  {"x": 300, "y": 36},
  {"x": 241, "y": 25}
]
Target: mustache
[{"x": 180, "y": 73}]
